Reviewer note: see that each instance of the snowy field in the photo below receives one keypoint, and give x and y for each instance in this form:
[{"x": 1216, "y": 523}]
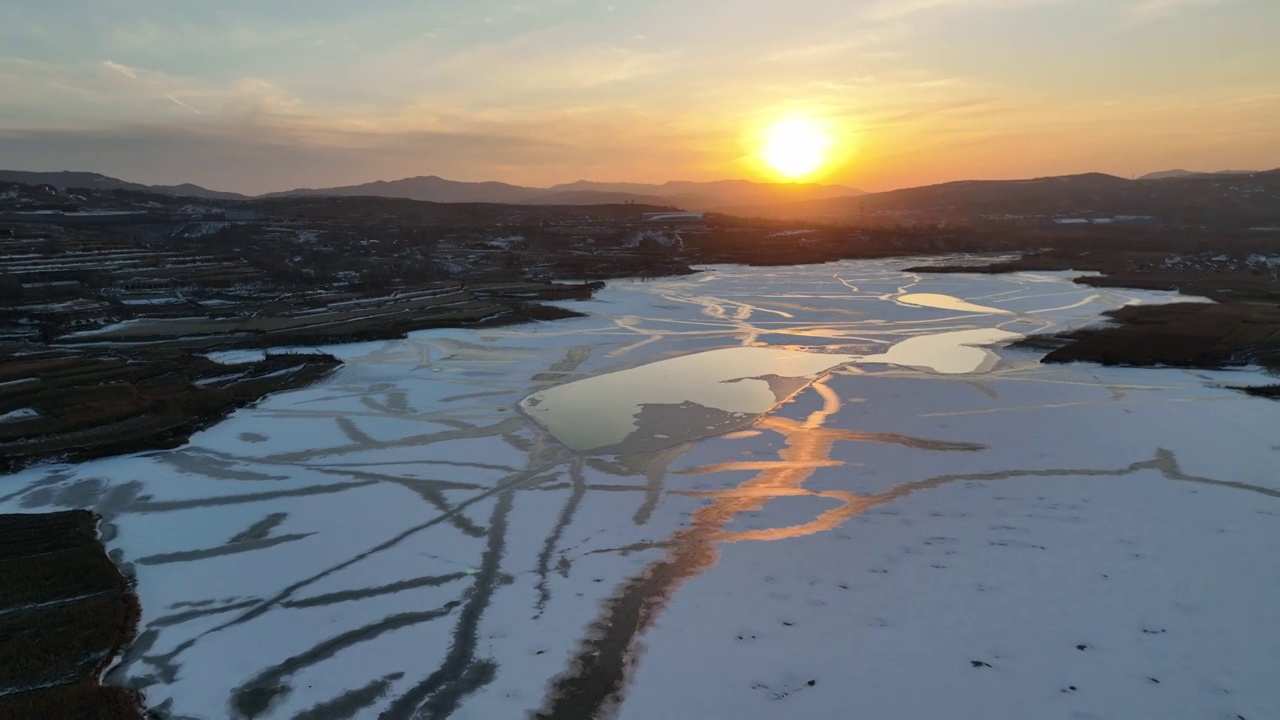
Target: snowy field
[{"x": 812, "y": 493}]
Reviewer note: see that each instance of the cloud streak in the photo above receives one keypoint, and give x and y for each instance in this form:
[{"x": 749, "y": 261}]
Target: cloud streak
[
  {"x": 119, "y": 69},
  {"x": 1149, "y": 10},
  {"x": 895, "y": 9},
  {"x": 557, "y": 90},
  {"x": 181, "y": 104}
]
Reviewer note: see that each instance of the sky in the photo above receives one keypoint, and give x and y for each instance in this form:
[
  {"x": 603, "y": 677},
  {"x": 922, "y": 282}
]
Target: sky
[{"x": 263, "y": 95}]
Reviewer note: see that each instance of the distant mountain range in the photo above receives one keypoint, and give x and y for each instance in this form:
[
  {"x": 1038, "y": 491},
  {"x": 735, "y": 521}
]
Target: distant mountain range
[
  {"x": 1183, "y": 174},
  {"x": 97, "y": 181},
  {"x": 1233, "y": 197},
  {"x": 725, "y": 195},
  {"x": 1236, "y": 198}
]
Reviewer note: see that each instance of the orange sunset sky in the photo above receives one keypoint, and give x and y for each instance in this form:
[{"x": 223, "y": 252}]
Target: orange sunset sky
[{"x": 261, "y": 96}]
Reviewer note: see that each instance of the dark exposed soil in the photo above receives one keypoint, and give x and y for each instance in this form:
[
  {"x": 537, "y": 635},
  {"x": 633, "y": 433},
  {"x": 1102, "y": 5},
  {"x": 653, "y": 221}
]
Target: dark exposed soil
[
  {"x": 85, "y": 407},
  {"x": 65, "y": 612}
]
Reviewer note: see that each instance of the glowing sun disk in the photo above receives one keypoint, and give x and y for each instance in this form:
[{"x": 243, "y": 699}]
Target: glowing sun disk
[{"x": 795, "y": 148}]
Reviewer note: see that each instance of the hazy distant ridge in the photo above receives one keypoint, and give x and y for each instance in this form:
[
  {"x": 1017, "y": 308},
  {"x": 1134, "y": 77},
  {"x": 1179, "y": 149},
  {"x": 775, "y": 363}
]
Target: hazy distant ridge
[
  {"x": 97, "y": 181},
  {"x": 1251, "y": 198},
  {"x": 723, "y": 195},
  {"x": 718, "y": 195},
  {"x": 1247, "y": 197},
  {"x": 1182, "y": 174}
]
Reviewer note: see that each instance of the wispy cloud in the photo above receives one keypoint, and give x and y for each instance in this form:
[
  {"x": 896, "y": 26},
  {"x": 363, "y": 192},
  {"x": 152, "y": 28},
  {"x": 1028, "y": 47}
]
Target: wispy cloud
[
  {"x": 124, "y": 70},
  {"x": 967, "y": 106},
  {"x": 522, "y": 66},
  {"x": 182, "y": 104},
  {"x": 1148, "y": 10},
  {"x": 560, "y": 89},
  {"x": 893, "y": 9},
  {"x": 42, "y": 94},
  {"x": 810, "y": 53}
]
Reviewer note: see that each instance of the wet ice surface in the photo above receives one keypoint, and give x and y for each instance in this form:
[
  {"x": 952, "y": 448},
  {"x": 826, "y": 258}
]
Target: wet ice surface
[
  {"x": 948, "y": 302},
  {"x": 671, "y": 401},
  {"x": 929, "y": 525}
]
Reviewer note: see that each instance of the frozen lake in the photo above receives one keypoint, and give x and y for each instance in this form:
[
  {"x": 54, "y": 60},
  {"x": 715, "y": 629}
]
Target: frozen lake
[{"x": 807, "y": 492}]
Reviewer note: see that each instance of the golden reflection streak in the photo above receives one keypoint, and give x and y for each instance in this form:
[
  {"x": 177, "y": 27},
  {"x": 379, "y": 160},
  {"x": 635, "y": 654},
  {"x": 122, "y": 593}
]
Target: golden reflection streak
[
  {"x": 600, "y": 666},
  {"x": 808, "y": 445},
  {"x": 757, "y": 465}
]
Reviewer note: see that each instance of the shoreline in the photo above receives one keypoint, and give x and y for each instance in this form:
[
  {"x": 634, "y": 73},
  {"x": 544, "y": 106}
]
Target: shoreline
[
  {"x": 65, "y": 618},
  {"x": 152, "y": 389},
  {"x": 72, "y": 408},
  {"x": 1231, "y": 333},
  {"x": 223, "y": 369},
  {"x": 1240, "y": 327},
  {"x": 364, "y": 319}
]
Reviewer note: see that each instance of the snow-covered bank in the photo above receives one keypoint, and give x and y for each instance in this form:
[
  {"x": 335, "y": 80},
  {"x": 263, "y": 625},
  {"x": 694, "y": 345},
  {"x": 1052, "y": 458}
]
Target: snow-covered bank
[{"x": 402, "y": 535}]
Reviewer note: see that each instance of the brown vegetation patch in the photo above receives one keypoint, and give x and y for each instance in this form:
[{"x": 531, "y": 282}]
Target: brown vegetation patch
[
  {"x": 1182, "y": 334},
  {"x": 87, "y": 407},
  {"x": 1266, "y": 391},
  {"x": 65, "y": 613}
]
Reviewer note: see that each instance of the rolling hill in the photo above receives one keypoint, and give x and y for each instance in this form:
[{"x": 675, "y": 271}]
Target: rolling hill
[
  {"x": 429, "y": 188},
  {"x": 97, "y": 181},
  {"x": 1183, "y": 174},
  {"x": 1228, "y": 198},
  {"x": 725, "y": 195},
  {"x": 1241, "y": 199},
  {"x": 734, "y": 196}
]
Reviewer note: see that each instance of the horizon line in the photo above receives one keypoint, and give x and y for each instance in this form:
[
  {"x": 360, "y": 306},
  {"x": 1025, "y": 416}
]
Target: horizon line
[{"x": 813, "y": 184}]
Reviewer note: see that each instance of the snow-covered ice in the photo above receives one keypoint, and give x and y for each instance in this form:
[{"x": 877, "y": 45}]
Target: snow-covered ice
[
  {"x": 864, "y": 506},
  {"x": 948, "y": 302},
  {"x": 703, "y": 394},
  {"x": 960, "y": 352},
  {"x": 19, "y": 414}
]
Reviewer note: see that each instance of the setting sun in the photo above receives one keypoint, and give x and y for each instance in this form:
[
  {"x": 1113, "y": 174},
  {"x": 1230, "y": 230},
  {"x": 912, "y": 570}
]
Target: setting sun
[{"x": 795, "y": 148}]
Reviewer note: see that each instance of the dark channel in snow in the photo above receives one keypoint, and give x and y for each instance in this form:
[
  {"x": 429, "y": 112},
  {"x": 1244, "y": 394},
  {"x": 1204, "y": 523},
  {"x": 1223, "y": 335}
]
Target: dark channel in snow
[{"x": 875, "y": 493}]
